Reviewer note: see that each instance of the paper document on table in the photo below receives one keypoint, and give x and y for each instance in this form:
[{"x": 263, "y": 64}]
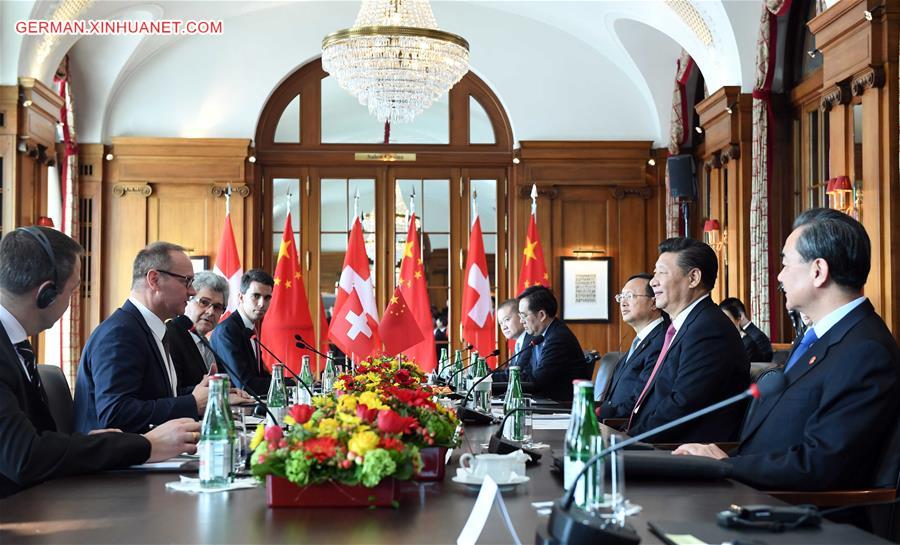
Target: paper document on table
[
  {"x": 684, "y": 539},
  {"x": 551, "y": 423}
]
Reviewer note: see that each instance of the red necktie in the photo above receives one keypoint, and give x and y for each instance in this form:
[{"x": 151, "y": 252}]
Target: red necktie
[{"x": 670, "y": 334}]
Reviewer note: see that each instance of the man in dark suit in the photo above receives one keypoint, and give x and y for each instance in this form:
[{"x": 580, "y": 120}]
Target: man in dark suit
[
  {"x": 702, "y": 360},
  {"x": 557, "y": 361},
  {"x": 235, "y": 339},
  {"x": 828, "y": 428},
  {"x": 191, "y": 353},
  {"x": 514, "y": 331},
  {"x": 756, "y": 343},
  {"x": 40, "y": 269},
  {"x": 638, "y": 307},
  {"x": 126, "y": 378}
]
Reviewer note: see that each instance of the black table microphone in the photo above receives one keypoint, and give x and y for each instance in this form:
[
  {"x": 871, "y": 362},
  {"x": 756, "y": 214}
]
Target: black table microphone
[
  {"x": 501, "y": 445},
  {"x": 289, "y": 370},
  {"x": 305, "y": 345},
  {"x": 467, "y": 347},
  {"x": 473, "y": 416},
  {"x": 577, "y": 526}
]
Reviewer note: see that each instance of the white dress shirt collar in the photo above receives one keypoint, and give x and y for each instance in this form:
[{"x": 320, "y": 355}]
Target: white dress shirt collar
[{"x": 678, "y": 321}]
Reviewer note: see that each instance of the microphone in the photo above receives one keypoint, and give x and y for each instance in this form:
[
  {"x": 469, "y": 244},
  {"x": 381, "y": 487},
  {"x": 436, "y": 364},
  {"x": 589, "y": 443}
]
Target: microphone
[
  {"x": 576, "y": 526},
  {"x": 469, "y": 347},
  {"x": 500, "y": 445},
  {"x": 289, "y": 370},
  {"x": 185, "y": 323},
  {"x": 305, "y": 345},
  {"x": 477, "y": 417}
]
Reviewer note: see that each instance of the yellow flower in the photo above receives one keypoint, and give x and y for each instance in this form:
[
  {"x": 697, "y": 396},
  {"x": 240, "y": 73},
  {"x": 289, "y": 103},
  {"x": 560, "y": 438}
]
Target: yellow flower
[
  {"x": 347, "y": 403},
  {"x": 328, "y": 426},
  {"x": 371, "y": 400},
  {"x": 258, "y": 436},
  {"x": 339, "y": 385},
  {"x": 349, "y": 419},
  {"x": 363, "y": 442},
  {"x": 373, "y": 378}
]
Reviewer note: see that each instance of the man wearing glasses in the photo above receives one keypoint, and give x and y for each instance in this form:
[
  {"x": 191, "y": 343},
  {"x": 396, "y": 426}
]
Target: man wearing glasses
[
  {"x": 638, "y": 307},
  {"x": 126, "y": 378},
  {"x": 191, "y": 353}
]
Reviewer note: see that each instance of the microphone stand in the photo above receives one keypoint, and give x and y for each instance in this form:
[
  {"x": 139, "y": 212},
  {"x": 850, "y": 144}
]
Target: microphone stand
[
  {"x": 306, "y": 346},
  {"x": 291, "y": 371},
  {"x": 578, "y": 526},
  {"x": 473, "y": 416},
  {"x": 455, "y": 373},
  {"x": 501, "y": 445}
]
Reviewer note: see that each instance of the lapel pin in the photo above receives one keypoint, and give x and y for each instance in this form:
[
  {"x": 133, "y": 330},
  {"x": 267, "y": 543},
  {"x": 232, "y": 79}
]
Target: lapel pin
[{"x": 812, "y": 360}]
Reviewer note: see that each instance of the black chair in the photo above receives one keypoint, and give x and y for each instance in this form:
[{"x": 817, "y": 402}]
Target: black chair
[
  {"x": 603, "y": 370},
  {"x": 59, "y": 397}
]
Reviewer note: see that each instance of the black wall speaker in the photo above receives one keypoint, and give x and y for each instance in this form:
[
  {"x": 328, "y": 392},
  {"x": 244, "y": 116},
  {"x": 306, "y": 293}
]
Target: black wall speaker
[{"x": 681, "y": 177}]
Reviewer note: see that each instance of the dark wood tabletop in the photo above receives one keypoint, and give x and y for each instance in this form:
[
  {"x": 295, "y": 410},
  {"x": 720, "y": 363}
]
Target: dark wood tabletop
[{"x": 135, "y": 507}]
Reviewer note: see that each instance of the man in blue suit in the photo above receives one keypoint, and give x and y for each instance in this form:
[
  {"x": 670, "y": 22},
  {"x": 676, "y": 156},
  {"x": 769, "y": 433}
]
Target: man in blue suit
[
  {"x": 638, "y": 307},
  {"x": 559, "y": 360},
  {"x": 702, "y": 360},
  {"x": 126, "y": 378},
  {"x": 235, "y": 340},
  {"x": 40, "y": 270},
  {"x": 514, "y": 331},
  {"x": 828, "y": 429}
]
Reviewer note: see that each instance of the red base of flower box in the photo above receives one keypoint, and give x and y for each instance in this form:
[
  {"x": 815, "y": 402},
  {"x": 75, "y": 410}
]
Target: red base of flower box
[
  {"x": 281, "y": 492},
  {"x": 433, "y": 464}
]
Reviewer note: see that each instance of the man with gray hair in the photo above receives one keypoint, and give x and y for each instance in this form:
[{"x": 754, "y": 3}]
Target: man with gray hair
[
  {"x": 126, "y": 378},
  {"x": 191, "y": 353}
]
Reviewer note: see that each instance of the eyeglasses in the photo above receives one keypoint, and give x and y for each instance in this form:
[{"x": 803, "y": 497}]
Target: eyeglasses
[
  {"x": 186, "y": 280},
  {"x": 628, "y": 296},
  {"x": 205, "y": 303}
]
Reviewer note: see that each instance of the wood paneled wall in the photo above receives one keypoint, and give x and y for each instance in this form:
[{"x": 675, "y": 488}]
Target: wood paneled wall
[
  {"x": 601, "y": 196},
  {"x": 169, "y": 189}
]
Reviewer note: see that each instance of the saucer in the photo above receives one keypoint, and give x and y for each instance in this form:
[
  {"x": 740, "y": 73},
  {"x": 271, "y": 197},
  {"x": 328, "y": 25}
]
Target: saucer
[{"x": 474, "y": 483}]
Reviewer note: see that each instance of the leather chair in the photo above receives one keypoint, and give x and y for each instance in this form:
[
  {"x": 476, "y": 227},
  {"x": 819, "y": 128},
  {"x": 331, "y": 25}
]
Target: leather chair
[
  {"x": 603, "y": 370},
  {"x": 59, "y": 397}
]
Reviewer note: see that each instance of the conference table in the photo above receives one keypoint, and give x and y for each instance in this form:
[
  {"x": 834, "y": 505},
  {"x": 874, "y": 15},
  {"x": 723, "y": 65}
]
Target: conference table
[{"x": 135, "y": 507}]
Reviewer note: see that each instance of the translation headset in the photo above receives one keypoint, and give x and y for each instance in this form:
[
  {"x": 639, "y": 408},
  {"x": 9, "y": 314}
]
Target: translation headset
[{"x": 48, "y": 293}]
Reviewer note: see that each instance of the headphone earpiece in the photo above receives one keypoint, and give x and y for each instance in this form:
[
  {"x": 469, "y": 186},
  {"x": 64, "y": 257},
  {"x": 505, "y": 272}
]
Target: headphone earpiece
[{"x": 47, "y": 293}]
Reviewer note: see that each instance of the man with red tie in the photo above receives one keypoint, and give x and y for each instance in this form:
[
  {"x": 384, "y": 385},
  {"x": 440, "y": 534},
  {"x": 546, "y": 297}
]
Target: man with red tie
[
  {"x": 702, "y": 360},
  {"x": 830, "y": 426}
]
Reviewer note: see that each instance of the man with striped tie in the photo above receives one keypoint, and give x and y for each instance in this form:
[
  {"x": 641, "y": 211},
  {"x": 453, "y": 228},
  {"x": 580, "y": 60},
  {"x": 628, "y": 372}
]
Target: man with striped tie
[
  {"x": 40, "y": 269},
  {"x": 830, "y": 426},
  {"x": 638, "y": 308}
]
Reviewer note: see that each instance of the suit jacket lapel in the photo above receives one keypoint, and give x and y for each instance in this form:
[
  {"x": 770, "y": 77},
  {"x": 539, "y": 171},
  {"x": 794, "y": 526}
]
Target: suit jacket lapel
[
  {"x": 816, "y": 353},
  {"x": 696, "y": 311},
  {"x": 135, "y": 314},
  {"x": 35, "y": 398}
]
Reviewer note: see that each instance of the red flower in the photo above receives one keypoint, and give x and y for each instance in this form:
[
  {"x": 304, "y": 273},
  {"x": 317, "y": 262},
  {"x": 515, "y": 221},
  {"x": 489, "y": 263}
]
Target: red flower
[
  {"x": 392, "y": 443},
  {"x": 402, "y": 376},
  {"x": 391, "y": 422},
  {"x": 321, "y": 448},
  {"x": 365, "y": 413},
  {"x": 301, "y": 413},
  {"x": 274, "y": 434}
]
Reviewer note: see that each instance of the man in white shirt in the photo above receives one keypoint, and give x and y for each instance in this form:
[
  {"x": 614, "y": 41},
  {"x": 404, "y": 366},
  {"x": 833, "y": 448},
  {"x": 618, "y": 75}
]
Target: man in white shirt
[
  {"x": 126, "y": 378},
  {"x": 638, "y": 308}
]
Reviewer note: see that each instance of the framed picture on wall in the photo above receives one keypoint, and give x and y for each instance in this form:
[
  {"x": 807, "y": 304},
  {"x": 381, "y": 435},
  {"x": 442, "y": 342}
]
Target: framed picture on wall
[
  {"x": 200, "y": 263},
  {"x": 585, "y": 295}
]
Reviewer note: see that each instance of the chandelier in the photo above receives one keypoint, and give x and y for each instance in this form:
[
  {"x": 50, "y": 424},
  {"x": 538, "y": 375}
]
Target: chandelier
[{"x": 394, "y": 59}]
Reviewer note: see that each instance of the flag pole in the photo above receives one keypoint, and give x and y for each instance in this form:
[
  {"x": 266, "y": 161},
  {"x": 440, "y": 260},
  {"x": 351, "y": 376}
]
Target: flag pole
[
  {"x": 534, "y": 196},
  {"x": 356, "y": 204},
  {"x": 228, "y": 200},
  {"x": 474, "y": 206}
]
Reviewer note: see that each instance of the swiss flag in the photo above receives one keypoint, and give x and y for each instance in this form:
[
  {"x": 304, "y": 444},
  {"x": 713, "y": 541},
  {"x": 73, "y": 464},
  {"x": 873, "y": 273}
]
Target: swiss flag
[
  {"x": 288, "y": 314},
  {"x": 534, "y": 270},
  {"x": 415, "y": 295},
  {"x": 228, "y": 265},
  {"x": 355, "y": 330},
  {"x": 398, "y": 328},
  {"x": 477, "y": 307}
]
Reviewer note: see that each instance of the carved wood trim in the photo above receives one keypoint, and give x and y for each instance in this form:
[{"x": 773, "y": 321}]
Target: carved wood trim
[
  {"x": 621, "y": 192},
  {"x": 872, "y": 77},
  {"x": 714, "y": 161},
  {"x": 549, "y": 192},
  {"x": 142, "y": 189},
  {"x": 238, "y": 190},
  {"x": 731, "y": 152},
  {"x": 837, "y": 94}
]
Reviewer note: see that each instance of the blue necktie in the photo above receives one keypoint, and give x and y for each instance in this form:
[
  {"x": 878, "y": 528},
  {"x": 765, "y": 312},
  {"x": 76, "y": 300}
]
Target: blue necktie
[
  {"x": 634, "y": 345},
  {"x": 808, "y": 340}
]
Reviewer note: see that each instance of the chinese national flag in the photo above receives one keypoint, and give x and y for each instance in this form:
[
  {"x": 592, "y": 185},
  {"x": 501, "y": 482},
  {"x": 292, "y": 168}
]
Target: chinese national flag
[
  {"x": 228, "y": 265},
  {"x": 355, "y": 329},
  {"x": 477, "y": 307},
  {"x": 323, "y": 331},
  {"x": 415, "y": 295},
  {"x": 398, "y": 328},
  {"x": 534, "y": 270},
  {"x": 289, "y": 313}
]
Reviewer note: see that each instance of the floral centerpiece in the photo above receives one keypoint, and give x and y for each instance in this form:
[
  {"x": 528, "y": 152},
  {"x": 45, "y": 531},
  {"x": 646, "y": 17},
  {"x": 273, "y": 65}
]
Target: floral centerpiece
[{"x": 371, "y": 431}]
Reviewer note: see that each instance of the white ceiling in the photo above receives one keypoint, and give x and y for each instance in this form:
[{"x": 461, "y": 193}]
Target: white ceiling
[{"x": 564, "y": 70}]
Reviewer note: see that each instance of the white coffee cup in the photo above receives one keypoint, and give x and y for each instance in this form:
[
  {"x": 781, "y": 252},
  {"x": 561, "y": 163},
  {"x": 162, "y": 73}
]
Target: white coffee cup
[{"x": 500, "y": 467}]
